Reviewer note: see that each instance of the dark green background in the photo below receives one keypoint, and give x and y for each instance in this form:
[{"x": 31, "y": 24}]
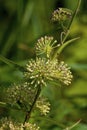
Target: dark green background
[{"x": 22, "y": 22}]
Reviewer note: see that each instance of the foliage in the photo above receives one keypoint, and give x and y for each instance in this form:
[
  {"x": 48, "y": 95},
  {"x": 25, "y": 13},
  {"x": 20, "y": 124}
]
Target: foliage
[{"x": 45, "y": 72}]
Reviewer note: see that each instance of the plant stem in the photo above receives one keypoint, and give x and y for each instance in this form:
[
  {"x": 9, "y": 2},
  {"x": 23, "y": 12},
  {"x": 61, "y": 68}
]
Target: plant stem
[
  {"x": 28, "y": 114},
  {"x": 11, "y": 63},
  {"x": 68, "y": 29},
  {"x": 74, "y": 14}
]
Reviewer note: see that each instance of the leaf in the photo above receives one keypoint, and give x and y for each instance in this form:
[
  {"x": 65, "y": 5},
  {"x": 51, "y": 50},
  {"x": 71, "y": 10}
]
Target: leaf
[
  {"x": 7, "y": 105},
  {"x": 52, "y": 121},
  {"x": 65, "y": 44},
  {"x": 11, "y": 63},
  {"x": 74, "y": 125}
]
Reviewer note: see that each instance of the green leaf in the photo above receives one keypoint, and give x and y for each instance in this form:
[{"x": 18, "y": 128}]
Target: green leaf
[
  {"x": 73, "y": 126},
  {"x": 7, "y": 105},
  {"x": 65, "y": 44},
  {"x": 80, "y": 127},
  {"x": 11, "y": 63}
]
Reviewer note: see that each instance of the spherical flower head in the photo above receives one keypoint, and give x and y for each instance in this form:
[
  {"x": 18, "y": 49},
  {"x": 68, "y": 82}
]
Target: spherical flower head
[
  {"x": 29, "y": 126},
  {"x": 21, "y": 94},
  {"x": 45, "y": 45},
  {"x": 39, "y": 71},
  {"x": 63, "y": 73},
  {"x": 8, "y": 124},
  {"x": 61, "y": 15},
  {"x": 43, "y": 105}
]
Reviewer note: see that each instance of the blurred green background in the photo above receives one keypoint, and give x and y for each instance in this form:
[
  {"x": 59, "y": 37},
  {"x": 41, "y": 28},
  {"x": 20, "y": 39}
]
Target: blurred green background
[{"x": 22, "y": 22}]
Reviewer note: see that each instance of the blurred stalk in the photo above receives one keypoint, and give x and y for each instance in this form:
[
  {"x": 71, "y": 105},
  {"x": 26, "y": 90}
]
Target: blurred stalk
[
  {"x": 14, "y": 30},
  {"x": 8, "y": 38},
  {"x": 74, "y": 14},
  {"x": 28, "y": 113},
  {"x": 68, "y": 31},
  {"x": 20, "y": 9},
  {"x": 27, "y": 13}
]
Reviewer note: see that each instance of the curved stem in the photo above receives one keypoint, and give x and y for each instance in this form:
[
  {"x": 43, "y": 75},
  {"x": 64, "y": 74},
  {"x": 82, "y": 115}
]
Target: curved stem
[
  {"x": 74, "y": 14},
  {"x": 68, "y": 28},
  {"x": 28, "y": 114}
]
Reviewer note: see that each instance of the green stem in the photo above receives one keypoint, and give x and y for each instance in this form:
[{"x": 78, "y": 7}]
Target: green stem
[
  {"x": 66, "y": 43},
  {"x": 11, "y": 63},
  {"x": 28, "y": 114},
  {"x": 74, "y": 14},
  {"x": 68, "y": 29},
  {"x": 71, "y": 127}
]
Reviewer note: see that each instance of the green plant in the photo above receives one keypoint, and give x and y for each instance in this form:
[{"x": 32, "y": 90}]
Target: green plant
[{"x": 45, "y": 69}]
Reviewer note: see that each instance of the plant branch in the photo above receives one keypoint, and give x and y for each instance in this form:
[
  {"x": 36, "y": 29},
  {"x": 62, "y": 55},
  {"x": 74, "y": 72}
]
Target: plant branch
[
  {"x": 66, "y": 43},
  {"x": 68, "y": 29},
  {"x": 28, "y": 114},
  {"x": 71, "y": 127},
  {"x": 74, "y": 14}
]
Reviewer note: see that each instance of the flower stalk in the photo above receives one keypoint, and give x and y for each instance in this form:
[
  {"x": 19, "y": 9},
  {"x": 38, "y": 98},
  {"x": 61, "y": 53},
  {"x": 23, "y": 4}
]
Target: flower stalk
[
  {"x": 28, "y": 113},
  {"x": 67, "y": 31},
  {"x": 69, "y": 26}
]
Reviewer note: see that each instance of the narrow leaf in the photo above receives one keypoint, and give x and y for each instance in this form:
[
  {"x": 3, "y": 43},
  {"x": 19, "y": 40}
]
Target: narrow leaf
[
  {"x": 11, "y": 63},
  {"x": 65, "y": 44},
  {"x": 7, "y": 105}
]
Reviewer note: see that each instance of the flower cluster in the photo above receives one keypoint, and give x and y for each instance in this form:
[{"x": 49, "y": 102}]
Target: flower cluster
[
  {"x": 8, "y": 124},
  {"x": 45, "y": 45},
  {"x": 39, "y": 71},
  {"x": 61, "y": 15},
  {"x": 22, "y": 94},
  {"x": 63, "y": 73},
  {"x": 43, "y": 105},
  {"x": 30, "y": 126}
]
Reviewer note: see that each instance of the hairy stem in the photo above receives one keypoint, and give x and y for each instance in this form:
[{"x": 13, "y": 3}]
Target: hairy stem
[{"x": 28, "y": 114}]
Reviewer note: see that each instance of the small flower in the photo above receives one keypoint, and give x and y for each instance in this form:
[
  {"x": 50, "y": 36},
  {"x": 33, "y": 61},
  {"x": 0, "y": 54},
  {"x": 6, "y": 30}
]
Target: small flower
[
  {"x": 63, "y": 73},
  {"x": 30, "y": 126},
  {"x": 61, "y": 15},
  {"x": 45, "y": 46},
  {"x": 8, "y": 124},
  {"x": 40, "y": 71},
  {"x": 37, "y": 71},
  {"x": 22, "y": 94},
  {"x": 43, "y": 105}
]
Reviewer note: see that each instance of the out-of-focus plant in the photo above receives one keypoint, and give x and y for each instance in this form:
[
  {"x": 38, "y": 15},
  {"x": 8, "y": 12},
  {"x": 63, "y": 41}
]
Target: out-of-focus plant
[{"x": 45, "y": 69}]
